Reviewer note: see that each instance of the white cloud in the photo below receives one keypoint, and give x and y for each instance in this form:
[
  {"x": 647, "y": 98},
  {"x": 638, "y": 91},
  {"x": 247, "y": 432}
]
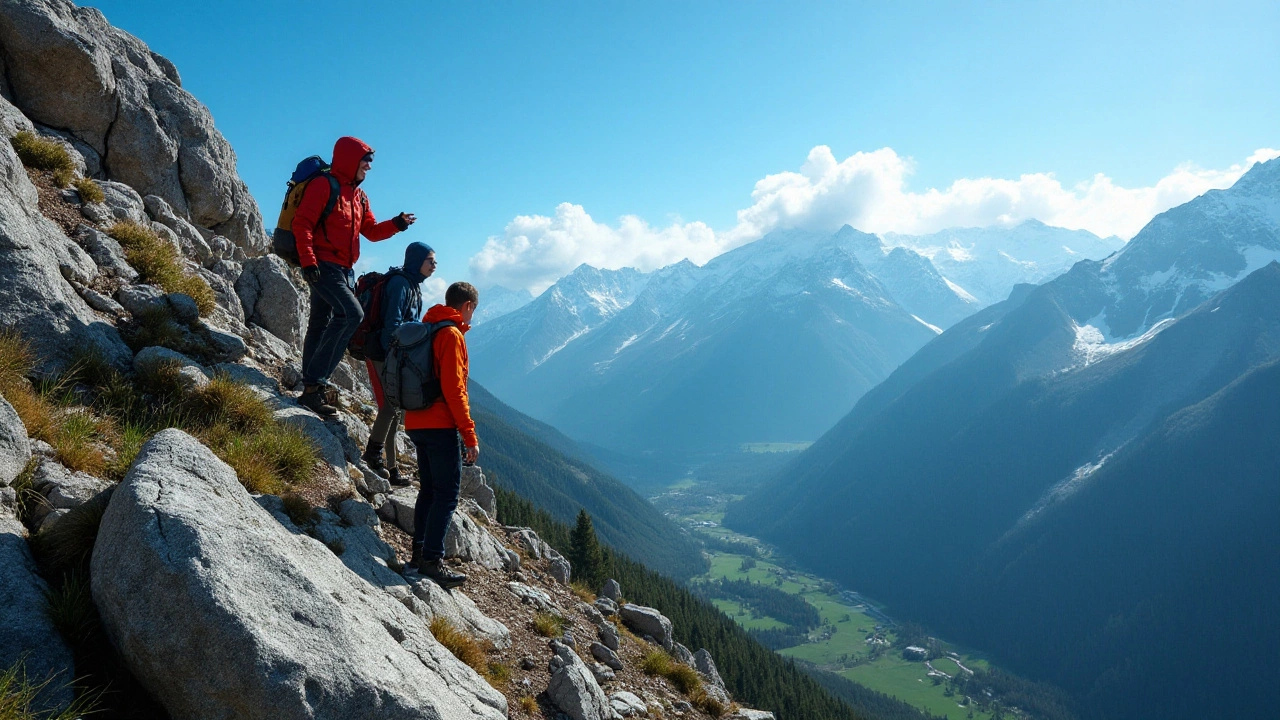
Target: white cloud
[{"x": 867, "y": 190}]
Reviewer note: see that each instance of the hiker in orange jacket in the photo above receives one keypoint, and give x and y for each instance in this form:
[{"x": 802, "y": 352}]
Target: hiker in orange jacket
[
  {"x": 327, "y": 254},
  {"x": 435, "y": 432}
]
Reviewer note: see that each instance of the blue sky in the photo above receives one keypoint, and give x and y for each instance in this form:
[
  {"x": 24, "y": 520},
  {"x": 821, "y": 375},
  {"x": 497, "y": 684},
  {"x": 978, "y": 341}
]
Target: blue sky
[{"x": 482, "y": 112}]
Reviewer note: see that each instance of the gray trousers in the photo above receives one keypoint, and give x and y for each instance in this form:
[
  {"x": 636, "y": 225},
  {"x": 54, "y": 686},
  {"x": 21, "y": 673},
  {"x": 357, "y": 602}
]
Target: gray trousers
[{"x": 388, "y": 419}]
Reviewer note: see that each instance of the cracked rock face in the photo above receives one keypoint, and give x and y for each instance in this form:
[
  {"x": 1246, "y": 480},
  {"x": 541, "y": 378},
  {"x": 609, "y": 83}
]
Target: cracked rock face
[
  {"x": 69, "y": 69},
  {"x": 574, "y": 689},
  {"x": 222, "y": 612},
  {"x": 38, "y": 300}
]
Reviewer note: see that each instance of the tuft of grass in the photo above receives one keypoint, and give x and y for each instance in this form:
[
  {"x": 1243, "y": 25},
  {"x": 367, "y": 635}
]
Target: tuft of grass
[
  {"x": 299, "y": 510},
  {"x": 686, "y": 679},
  {"x": 707, "y": 704},
  {"x": 23, "y": 485},
  {"x": 78, "y": 438},
  {"x": 155, "y": 326},
  {"x": 19, "y": 697},
  {"x": 337, "y": 547},
  {"x": 16, "y": 361},
  {"x": 548, "y": 624},
  {"x": 90, "y": 192},
  {"x": 62, "y": 178},
  {"x": 657, "y": 663},
  {"x": 71, "y": 610},
  {"x": 463, "y": 646},
  {"x": 75, "y": 434},
  {"x": 158, "y": 264},
  {"x": 234, "y": 404},
  {"x": 127, "y": 446},
  {"x": 498, "y": 674},
  {"x": 582, "y": 591},
  {"x": 529, "y": 705},
  {"x": 67, "y": 545},
  {"x": 41, "y": 154},
  {"x": 269, "y": 461}
]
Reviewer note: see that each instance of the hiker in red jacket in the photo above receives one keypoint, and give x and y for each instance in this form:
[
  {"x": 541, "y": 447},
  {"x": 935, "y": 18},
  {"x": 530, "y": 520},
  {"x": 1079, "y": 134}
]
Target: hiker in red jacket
[{"x": 327, "y": 253}]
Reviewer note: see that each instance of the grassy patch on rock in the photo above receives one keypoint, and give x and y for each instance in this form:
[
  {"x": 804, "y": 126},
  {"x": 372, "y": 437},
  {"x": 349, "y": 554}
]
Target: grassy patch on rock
[
  {"x": 43, "y": 154},
  {"x": 90, "y": 191},
  {"x": 473, "y": 653},
  {"x": 77, "y": 435},
  {"x": 549, "y": 624},
  {"x": 19, "y": 697},
  {"x": 158, "y": 264}
]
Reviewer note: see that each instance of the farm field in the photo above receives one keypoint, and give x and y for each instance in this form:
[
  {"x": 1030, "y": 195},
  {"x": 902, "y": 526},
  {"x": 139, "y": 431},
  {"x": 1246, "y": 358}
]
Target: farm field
[{"x": 840, "y": 643}]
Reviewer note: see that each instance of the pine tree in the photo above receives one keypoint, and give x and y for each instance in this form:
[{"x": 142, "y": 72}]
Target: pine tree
[{"x": 585, "y": 554}]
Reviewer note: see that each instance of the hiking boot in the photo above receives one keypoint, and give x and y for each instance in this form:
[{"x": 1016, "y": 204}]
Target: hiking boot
[
  {"x": 397, "y": 480},
  {"x": 373, "y": 458},
  {"x": 440, "y": 573},
  {"x": 330, "y": 393},
  {"x": 312, "y": 398}
]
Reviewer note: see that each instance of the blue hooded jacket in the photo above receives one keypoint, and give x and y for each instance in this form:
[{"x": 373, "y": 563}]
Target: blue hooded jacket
[{"x": 402, "y": 298}]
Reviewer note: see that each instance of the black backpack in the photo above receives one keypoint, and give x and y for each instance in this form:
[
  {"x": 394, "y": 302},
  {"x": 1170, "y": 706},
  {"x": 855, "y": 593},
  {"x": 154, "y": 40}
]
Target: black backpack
[
  {"x": 409, "y": 377},
  {"x": 366, "y": 344},
  {"x": 283, "y": 242}
]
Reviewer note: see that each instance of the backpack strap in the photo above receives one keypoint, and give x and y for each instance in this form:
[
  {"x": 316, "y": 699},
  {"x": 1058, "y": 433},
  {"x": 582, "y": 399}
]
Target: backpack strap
[{"x": 334, "y": 192}]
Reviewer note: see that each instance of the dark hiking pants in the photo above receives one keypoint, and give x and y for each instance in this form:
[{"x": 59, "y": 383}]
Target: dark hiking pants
[
  {"x": 388, "y": 420},
  {"x": 440, "y": 474},
  {"x": 335, "y": 315}
]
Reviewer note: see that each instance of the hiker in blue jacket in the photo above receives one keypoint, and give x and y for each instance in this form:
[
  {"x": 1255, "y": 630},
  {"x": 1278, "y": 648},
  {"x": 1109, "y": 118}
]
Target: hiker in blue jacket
[{"x": 401, "y": 303}]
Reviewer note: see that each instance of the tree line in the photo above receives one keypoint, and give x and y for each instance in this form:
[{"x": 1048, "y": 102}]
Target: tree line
[{"x": 754, "y": 675}]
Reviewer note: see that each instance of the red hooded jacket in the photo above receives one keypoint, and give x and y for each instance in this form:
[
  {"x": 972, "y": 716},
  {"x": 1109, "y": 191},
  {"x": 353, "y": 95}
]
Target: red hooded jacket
[
  {"x": 339, "y": 241},
  {"x": 454, "y": 409}
]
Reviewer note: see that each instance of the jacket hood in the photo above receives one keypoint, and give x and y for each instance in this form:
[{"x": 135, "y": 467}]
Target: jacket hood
[
  {"x": 438, "y": 313},
  {"x": 414, "y": 255},
  {"x": 347, "y": 153}
]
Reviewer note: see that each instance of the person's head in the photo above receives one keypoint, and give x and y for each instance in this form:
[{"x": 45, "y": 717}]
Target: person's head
[
  {"x": 419, "y": 258},
  {"x": 463, "y": 297},
  {"x": 366, "y": 162},
  {"x": 352, "y": 158}
]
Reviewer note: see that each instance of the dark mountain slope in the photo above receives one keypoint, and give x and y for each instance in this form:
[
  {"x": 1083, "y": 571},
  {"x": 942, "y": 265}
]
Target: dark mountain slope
[
  {"x": 923, "y": 490},
  {"x": 524, "y": 455},
  {"x": 1165, "y": 565}
]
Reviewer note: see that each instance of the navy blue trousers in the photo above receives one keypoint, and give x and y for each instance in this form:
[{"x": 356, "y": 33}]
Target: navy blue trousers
[
  {"x": 440, "y": 475},
  {"x": 335, "y": 315}
]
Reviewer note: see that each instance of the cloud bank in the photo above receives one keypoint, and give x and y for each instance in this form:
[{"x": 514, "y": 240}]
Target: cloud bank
[{"x": 867, "y": 190}]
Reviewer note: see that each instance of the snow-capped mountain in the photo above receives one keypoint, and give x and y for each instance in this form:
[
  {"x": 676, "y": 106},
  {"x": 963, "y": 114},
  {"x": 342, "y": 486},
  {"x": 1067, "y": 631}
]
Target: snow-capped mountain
[
  {"x": 1099, "y": 450},
  {"x": 510, "y": 346},
  {"x": 988, "y": 262},
  {"x": 1188, "y": 254},
  {"x": 912, "y": 280},
  {"x": 771, "y": 341},
  {"x": 497, "y": 301}
]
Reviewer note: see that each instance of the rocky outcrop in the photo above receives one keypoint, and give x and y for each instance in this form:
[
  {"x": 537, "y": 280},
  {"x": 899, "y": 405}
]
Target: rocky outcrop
[
  {"x": 28, "y": 634},
  {"x": 68, "y": 68},
  {"x": 38, "y": 300},
  {"x": 628, "y": 704},
  {"x": 15, "y": 451},
  {"x": 476, "y": 488},
  {"x": 271, "y": 300},
  {"x": 221, "y": 612},
  {"x": 61, "y": 490},
  {"x": 466, "y": 539},
  {"x": 611, "y": 590},
  {"x": 191, "y": 374},
  {"x": 540, "y": 550},
  {"x": 648, "y": 621},
  {"x": 573, "y": 687},
  {"x": 706, "y": 666}
]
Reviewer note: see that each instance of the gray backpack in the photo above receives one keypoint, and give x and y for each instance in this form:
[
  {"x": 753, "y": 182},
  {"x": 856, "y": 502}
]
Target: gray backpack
[{"x": 409, "y": 377}]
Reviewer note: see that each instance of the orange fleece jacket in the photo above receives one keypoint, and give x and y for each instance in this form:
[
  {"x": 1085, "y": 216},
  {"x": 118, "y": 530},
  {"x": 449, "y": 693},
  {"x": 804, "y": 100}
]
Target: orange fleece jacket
[{"x": 454, "y": 409}]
